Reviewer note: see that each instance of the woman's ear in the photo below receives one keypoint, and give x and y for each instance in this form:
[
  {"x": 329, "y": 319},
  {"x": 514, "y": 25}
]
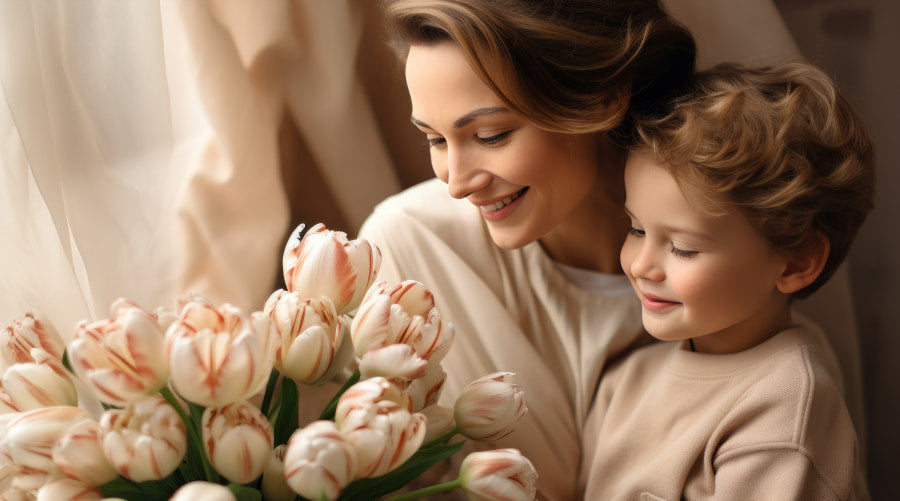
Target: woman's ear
[{"x": 804, "y": 268}]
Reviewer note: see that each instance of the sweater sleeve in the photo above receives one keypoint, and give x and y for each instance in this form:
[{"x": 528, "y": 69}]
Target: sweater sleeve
[{"x": 771, "y": 472}]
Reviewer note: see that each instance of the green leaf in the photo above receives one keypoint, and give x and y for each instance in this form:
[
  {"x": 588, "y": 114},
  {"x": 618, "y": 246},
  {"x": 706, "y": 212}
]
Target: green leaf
[
  {"x": 244, "y": 493},
  {"x": 328, "y": 413},
  {"x": 286, "y": 420},
  {"x": 423, "y": 459},
  {"x": 143, "y": 491},
  {"x": 270, "y": 390}
]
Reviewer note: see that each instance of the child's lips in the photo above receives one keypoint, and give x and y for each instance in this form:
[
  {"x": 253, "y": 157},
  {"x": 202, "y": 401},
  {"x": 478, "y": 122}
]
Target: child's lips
[{"x": 655, "y": 303}]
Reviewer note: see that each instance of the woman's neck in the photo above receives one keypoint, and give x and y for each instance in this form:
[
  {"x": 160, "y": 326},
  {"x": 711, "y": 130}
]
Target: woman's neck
[{"x": 592, "y": 235}]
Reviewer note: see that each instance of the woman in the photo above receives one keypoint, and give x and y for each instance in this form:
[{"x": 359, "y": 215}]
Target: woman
[{"x": 519, "y": 235}]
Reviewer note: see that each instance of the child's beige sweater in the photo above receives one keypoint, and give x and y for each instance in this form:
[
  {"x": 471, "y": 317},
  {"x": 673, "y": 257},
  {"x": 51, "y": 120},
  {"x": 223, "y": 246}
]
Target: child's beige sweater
[{"x": 765, "y": 423}]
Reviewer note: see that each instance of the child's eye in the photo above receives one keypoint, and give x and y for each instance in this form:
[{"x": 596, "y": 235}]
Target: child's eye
[
  {"x": 636, "y": 232},
  {"x": 682, "y": 253}
]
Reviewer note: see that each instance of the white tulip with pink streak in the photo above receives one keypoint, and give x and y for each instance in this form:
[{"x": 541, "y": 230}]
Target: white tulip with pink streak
[
  {"x": 322, "y": 262},
  {"x": 220, "y": 356},
  {"x": 144, "y": 441},
  {"x": 121, "y": 359}
]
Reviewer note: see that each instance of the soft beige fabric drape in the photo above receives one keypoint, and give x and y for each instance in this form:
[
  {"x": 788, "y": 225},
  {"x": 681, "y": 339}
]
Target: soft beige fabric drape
[{"x": 152, "y": 148}]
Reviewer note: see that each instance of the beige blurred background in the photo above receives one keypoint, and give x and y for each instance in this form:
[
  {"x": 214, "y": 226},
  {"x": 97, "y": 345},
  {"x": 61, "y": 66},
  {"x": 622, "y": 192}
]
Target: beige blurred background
[{"x": 151, "y": 148}]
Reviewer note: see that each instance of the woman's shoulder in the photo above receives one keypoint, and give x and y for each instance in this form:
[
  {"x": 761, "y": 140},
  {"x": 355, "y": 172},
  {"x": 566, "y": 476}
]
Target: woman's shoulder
[{"x": 426, "y": 206}]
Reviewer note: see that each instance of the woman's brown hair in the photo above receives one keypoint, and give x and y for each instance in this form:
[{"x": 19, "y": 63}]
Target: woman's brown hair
[{"x": 562, "y": 64}]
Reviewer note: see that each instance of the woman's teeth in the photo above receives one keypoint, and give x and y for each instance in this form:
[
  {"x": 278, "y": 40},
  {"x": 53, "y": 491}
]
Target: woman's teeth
[{"x": 503, "y": 203}]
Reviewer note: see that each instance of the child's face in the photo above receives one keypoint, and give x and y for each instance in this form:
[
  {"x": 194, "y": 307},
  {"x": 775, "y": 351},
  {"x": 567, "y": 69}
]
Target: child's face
[{"x": 709, "y": 278}]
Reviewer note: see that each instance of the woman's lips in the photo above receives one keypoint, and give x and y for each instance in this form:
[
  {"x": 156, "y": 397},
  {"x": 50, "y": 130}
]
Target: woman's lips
[
  {"x": 503, "y": 208},
  {"x": 654, "y": 303}
]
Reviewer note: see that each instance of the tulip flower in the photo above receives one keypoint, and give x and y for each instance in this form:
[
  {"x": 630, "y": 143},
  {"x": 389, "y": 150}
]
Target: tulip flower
[
  {"x": 322, "y": 262},
  {"x": 426, "y": 390},
  {"x": 319, "y": 461},
  {"x": 376, "y": 418},
  {"x": 203, "y": 491},
  {"x": 145, "y": 441},
  {"x": 397, "y": 362},
  {"x": 439, "y": 422},
  {"x": 238, "y": 440},
  {"x": 121, "y": 359},
  {"x": 220, "y": 356},
  {"x": 68, "y": 489},
  {"x": 503, "y": 474},
  {"x": 32, "y": 385},
  {"x": 26, "y": 333},
  {"x": 490, "y": 407},
  {"x": 78, "y": 453},
  {"x": 29, "y": 440},
  {"x": 314, "y": 345},
  {"x": 359, "y": 398},
  {"x": 405, "y": 314},
  {"x": 274, "y": 484}
]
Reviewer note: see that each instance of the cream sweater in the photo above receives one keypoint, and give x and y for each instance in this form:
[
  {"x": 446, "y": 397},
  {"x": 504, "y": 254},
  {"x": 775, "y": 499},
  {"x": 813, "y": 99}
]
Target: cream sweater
[
  {"x": 513, "y": 311},
  {"x": 765, "y": 423}
]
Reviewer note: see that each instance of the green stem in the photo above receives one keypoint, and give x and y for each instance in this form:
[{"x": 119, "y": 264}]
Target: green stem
[
  {"x": 442, "y": 439},
  {"x": 427, "y": 491},
  {"x": 270, "y": 389},
  {"x": 192, "y": 433}
]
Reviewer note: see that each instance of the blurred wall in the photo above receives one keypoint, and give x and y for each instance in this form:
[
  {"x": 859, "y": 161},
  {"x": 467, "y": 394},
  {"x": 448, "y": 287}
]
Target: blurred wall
[{"x": 857, "y": 41}]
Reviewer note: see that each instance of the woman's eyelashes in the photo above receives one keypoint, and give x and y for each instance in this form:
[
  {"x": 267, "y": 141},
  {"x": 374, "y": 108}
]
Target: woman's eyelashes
[
  {"x": 494, "y": 138},
  {"x": 491, "y": 140}
]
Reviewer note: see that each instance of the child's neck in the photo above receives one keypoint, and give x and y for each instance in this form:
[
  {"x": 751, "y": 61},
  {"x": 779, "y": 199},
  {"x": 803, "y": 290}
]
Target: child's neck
[{"x": 750, "y": 333}]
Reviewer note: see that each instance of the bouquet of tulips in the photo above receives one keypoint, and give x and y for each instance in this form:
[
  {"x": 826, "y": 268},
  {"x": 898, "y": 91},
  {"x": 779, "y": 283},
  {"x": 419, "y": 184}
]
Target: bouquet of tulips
[{"x": 201, "y": 401}]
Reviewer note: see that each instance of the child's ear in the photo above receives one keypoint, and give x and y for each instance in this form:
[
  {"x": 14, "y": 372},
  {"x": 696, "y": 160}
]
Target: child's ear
[{"x": 803, "y": 268}]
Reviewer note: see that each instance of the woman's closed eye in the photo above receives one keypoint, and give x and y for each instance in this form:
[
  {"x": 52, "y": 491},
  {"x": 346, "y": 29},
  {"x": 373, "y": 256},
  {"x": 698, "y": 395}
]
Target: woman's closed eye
[
  {"x": 636, "y": 232},
  {"x": 495, "y": 138}
]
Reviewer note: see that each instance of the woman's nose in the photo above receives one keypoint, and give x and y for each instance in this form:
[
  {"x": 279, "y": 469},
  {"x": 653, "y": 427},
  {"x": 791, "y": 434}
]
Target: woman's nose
[{"x": 463, "y": 175}]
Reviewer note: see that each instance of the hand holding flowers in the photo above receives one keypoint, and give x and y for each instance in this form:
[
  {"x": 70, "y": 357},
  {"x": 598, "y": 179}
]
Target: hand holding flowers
[{"x": 201, "y": 401}]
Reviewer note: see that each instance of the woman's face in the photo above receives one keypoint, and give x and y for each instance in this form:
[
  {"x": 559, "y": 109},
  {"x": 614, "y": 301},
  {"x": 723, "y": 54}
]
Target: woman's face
[{"x": 525, "y": 180}]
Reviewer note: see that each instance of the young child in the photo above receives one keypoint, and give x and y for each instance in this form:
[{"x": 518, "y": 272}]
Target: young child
[{"x": 745, "y": 197}]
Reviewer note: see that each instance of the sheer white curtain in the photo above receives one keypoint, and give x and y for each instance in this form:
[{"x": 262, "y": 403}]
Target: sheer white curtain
[
  {"x": 140, "y": 154},
  {"x": 137, "y": 160}
]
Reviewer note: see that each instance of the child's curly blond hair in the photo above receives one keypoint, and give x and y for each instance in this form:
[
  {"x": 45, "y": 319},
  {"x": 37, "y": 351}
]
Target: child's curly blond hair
[{"x": 780, "y": 144}]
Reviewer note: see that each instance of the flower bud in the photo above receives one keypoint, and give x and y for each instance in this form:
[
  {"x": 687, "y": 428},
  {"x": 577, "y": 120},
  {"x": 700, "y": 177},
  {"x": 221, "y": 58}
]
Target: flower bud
[
  {"x": 30, "y": 437},
  {"x": 322, "y": 262},
  {"x": 203, "y": 491},
  {"x": 274, "y": 483},
  {"x": 490, "y": 407},
  {"x": 79, "y": 454},
  {"x": 398, "y": 362},
  {"x": 439, "y": 421},
  {"x": 26, "y": 333},
  {"x": 220, "y": 356},
  {"x": 319, "y": 461},
  {"x": 42, "y": 383},
  {"x": 500, "y": 474},
  {"x": 238, "y": 440},
  {"x": 144, "y": 441},
  {"x": 401, "y": 314},
  {"x": 426, "y": 390},
  {"x": 315, "y": 344},
  {"x": 121, "y": 359},
  {"x": 375, "y": 417},
  {"x": 69, "y": 489}
]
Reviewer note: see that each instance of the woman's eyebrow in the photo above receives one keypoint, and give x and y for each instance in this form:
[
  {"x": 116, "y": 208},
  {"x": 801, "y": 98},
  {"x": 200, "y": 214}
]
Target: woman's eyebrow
[{"x": 465, "y": 119}]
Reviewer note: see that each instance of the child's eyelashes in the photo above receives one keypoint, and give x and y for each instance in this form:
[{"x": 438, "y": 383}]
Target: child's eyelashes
[
  {"x": 683, "y": 253},
  {"x": 636, "y": 232}
]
